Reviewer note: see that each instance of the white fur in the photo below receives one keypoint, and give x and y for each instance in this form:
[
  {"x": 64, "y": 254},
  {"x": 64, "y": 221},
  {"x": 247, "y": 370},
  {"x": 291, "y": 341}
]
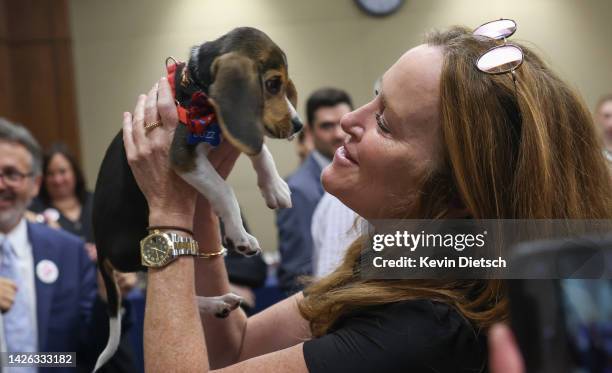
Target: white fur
[
  {"x": 221, "y": 305},
  {"x": 273, "y": 188},
  {"x": 114, "y": 337},
  {"x": 205, "y": 179}
]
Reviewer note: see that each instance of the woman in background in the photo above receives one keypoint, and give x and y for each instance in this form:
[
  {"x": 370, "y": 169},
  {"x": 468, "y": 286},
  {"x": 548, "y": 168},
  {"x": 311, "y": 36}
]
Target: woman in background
[{"x": 63, "y": 198}]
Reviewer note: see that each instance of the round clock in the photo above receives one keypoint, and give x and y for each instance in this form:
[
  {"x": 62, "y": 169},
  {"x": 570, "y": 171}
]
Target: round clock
[{"x": 379, "y": 8}]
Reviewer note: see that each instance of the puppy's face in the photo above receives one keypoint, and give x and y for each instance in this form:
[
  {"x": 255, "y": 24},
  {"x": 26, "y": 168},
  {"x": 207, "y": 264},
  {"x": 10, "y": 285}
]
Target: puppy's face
[
  {"x": 279, "y": 117},
  {"x": 251, "y": 90}
]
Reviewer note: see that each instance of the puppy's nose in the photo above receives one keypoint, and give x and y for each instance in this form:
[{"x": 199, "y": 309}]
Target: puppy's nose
[{"x": 296, "y": 122}]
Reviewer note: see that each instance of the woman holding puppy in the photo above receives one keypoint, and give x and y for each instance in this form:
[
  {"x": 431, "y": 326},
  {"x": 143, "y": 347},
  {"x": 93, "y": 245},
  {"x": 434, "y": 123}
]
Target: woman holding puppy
[{"x": 445, "y": 138}]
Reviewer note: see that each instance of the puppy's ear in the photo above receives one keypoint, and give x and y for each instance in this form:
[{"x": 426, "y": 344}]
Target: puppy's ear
[{"x": 236, "y": 94}]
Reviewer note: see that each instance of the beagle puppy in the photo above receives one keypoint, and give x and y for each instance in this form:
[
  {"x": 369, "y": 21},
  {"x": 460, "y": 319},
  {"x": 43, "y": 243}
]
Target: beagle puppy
[{"x": 234, "y": 88}]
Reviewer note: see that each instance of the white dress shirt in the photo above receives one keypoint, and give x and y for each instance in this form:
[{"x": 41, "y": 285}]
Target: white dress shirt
[
  {"x": 20, "y": 242},
  {"x": 333, "y": 230}
]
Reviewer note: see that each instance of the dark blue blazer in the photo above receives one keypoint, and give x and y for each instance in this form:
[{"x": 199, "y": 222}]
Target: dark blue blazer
[
  {"x": 64, "y": 307},
  {"x": 294, "y": 237}
]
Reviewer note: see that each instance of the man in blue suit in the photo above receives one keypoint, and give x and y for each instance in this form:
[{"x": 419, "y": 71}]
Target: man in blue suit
[
  {"x": 47, "y": 281},
  {"x": 324, "y": 109}
]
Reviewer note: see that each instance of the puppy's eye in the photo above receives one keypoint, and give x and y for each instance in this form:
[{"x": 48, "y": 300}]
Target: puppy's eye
[{"x": 273, "y": 85}]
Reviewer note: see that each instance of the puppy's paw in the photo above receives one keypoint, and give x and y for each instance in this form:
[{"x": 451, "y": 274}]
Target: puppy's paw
[
  {"x": 220, "y": 306},
  {"x": 243, "y": 242},
  {"x": 232, "y": 301},
  {"x": 277, "y": 194}
]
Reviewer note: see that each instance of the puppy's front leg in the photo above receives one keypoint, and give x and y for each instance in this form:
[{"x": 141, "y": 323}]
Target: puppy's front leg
[
  {"x": 273, "y": 188},
  {"x": 207, "y": 181},
  {"x": 220, "y": 306}
]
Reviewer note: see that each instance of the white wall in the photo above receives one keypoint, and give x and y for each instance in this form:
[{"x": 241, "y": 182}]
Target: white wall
[{"x": 120, "y": 48}]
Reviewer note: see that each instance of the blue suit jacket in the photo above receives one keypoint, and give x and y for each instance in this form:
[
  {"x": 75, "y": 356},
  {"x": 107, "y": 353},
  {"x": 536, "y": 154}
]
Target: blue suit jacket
[
  {"x": 64, "y": 307},
  {"x": 294, "y": 237}
]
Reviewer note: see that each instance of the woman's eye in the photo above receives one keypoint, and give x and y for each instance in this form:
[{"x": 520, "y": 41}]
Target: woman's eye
[{"x": 381, "y": 123}]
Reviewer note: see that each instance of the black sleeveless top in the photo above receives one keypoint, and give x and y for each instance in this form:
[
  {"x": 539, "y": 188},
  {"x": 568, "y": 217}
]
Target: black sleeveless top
[{"x": 408, "y": 336}]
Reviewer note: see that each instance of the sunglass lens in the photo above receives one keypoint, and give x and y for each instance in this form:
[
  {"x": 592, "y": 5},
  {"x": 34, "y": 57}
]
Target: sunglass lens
[
  {"x": 499, "y": 29},
  {"x": 500, "y": 59}
]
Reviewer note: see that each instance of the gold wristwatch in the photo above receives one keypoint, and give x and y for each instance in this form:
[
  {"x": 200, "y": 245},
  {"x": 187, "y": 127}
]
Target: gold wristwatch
[{"x": 159, "y": 248}]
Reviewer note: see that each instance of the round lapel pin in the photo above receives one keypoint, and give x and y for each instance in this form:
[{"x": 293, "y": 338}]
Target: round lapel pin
[{"x": 47, "y": 271}]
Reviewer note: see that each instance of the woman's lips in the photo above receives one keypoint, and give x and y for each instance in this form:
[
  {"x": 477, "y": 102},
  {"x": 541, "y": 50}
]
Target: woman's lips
[{"x": 343, "y": 156}]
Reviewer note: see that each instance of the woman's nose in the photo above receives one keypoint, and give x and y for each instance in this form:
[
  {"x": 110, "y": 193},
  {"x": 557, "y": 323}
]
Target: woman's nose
[{"x": 351, "y": 124}]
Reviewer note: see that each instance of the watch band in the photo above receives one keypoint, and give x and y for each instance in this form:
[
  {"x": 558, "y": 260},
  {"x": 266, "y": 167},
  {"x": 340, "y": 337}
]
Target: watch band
[{"x": 183, "y": 245}]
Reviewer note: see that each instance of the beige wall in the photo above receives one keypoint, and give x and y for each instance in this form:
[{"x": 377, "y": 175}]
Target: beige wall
[{"x": 120, "y": 47}]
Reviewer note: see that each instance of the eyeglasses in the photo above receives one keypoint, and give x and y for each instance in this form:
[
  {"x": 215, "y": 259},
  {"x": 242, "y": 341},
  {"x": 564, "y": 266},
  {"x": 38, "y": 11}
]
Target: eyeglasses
[
  {"x": 500, "y": 59},
  {"x": 13, "y": 177}
]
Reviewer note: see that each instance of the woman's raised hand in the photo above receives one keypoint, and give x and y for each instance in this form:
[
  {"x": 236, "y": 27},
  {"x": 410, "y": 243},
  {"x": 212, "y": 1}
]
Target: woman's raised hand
[{"x": 171, "y": 200}]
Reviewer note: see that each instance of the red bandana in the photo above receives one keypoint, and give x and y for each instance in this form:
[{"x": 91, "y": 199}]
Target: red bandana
[{"x": 199, "y": 115}]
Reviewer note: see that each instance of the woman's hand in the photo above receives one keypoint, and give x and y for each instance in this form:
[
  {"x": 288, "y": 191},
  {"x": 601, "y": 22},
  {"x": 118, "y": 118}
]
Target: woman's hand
[
  {"x": 171, "y": 200},
  {"x": 504, "y": 354}
]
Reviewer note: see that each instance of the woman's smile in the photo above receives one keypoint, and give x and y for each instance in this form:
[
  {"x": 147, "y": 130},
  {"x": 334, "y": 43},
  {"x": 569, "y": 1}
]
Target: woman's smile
[{"x": 344, "y": 158}]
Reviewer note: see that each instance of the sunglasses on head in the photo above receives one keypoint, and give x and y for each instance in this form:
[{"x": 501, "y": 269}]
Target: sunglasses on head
[{"x": 501, "y": 59}]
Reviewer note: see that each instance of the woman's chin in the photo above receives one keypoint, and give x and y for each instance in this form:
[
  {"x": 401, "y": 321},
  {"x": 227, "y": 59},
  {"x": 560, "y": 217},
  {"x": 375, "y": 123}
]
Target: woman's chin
[
  {"x": 327, "y": 179},
  {"x": 334, "y": 183}
]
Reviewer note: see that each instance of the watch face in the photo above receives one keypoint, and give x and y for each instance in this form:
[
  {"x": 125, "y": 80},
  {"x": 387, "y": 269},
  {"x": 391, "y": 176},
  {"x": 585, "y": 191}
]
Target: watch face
[{"x": 155, "y": 250}]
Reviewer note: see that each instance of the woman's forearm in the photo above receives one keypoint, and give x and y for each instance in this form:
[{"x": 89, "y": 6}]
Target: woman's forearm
[
  {"x": 173, "y": 337},
  {"x": 224, "y": 337}
]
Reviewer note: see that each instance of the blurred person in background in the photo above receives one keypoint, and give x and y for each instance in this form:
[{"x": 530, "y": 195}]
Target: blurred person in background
[
  {"x": 51, "y": 279},
  {"x": 64, "y": 202},
  {"x": 63, "y": 197},
  {"x": 334, "y": 228},
  {"x": 324, "y": 109},
  {"x": 603, "y": 118}
]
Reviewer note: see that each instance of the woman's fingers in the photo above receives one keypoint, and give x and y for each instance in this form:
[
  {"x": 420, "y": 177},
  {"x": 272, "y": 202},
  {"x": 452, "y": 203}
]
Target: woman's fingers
[
  {"x": 223, "y": 158},
  {"x": 138, "y": 124},
  {"x": 227, "y": 164},
  {"x": 128, "y": 137},
  {"x": 157, "y": 136},
  {"x": 151, "y": 106},
  {"x": 166, "y": 106},
  {"x": 221, "y": 152}
]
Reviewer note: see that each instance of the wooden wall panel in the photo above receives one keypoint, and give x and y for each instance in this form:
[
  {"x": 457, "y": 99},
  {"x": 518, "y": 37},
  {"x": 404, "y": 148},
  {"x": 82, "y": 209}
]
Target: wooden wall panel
[
  {"x": 66, "y": 96},
  {"x": 6, "y": 103},
  {"x": 34, "y": 89},
  {"x": 36, "y": 70}
]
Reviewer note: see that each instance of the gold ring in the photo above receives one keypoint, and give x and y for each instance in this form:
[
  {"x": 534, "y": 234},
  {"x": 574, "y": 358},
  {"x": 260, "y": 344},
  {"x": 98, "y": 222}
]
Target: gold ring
[{"x": 152, "y": 125}]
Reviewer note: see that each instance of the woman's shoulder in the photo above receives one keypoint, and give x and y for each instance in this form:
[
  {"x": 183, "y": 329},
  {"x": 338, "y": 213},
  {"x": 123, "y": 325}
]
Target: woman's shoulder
[
  {"x": 401, "y": 336},
  {"x": 424, "y": 316}
]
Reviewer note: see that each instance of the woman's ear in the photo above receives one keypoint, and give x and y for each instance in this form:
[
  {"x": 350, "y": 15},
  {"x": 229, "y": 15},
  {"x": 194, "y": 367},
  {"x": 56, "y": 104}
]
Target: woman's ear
[{"x": 236, "y": 94}]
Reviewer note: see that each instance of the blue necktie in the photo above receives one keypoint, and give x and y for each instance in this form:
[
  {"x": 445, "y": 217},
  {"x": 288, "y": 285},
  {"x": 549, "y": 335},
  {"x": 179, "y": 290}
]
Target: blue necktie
[{"x": 18, "y": 330}]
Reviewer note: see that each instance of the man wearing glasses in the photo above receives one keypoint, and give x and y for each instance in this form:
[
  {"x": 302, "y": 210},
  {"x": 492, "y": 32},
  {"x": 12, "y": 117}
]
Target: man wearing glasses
[{"x": 47, "y": 281}]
